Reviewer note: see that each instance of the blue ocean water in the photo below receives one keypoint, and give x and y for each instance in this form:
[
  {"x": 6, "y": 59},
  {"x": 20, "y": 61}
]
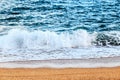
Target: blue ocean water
[{"x": 59, "y": 29}]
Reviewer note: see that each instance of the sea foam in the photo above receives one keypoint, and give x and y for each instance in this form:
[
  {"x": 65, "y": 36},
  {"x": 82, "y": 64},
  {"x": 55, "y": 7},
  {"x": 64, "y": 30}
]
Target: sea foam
[
  {"x": 17, "y": 38},
  {"x": 21, "y": 44}
]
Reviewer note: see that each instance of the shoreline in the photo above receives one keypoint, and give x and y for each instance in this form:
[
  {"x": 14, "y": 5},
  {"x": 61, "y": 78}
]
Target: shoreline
[
  {"x": 64, "y": 63},
  {"x": 80, "y": 69}
]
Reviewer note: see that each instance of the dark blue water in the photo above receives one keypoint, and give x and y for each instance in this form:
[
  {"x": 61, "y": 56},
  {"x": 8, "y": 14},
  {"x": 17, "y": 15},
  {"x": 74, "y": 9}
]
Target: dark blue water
[{"x": 61, "y": 15}]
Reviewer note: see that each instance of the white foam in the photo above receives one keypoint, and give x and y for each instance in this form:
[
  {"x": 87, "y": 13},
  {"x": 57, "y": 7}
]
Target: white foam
[
  {"x": 18, "y": 39},
  {"x": 1, "y": 28},
  {"x": 50, "y": 65},
  {"x": 5, "y": 4},
  {"x": 85, "y": 63},
  {"x": 20, "y": 44}
]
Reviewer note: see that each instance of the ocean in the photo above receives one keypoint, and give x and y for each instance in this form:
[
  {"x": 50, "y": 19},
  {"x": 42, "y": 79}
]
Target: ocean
[{"x": 59, "y": 29}]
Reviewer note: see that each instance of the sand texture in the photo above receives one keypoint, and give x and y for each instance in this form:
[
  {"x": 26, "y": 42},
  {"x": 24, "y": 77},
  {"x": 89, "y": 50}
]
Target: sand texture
[{"x": 60, "y": 74}]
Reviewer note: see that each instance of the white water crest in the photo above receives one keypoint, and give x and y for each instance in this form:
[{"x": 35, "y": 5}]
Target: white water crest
[
  {"x": 21, "y": 44},
  {"x": 18, "y": 39}
]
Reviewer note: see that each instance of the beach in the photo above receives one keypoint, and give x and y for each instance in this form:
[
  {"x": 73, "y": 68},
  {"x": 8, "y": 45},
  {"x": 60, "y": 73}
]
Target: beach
[
  {"x": 92, "y": 69},
  {"x": 60, "y": 74},
  {"x": 59, "y": 39}
]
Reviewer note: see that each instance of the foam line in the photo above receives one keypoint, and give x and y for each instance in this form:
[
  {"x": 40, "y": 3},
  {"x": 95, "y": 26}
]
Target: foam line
[{"x": 70, "y": 63}]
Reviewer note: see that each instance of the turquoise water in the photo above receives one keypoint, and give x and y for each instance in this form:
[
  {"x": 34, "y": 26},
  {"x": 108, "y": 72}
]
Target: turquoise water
[
  {"x": 61, "y": 15},
  {"x": 57, "y": 29}
]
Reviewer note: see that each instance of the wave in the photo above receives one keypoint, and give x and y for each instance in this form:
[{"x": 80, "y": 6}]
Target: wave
[
  {"x": 18, "y": 38},
  {"x": 22, "y": 44},
  {"x": 37, "y": 39},
  {"x": 108, "y": 38}
]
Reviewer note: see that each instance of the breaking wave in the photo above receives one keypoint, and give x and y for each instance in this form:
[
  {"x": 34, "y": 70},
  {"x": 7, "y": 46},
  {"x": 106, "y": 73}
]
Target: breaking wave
[
  {"x": 37, "y": 39},
  {"x": 17, "y": 38}
]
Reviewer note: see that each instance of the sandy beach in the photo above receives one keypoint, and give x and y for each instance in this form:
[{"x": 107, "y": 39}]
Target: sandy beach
[
  {"x": 71, "y": 69},
  {"x": 60, "y": 74},
  {"x": 59, "y": 39}
]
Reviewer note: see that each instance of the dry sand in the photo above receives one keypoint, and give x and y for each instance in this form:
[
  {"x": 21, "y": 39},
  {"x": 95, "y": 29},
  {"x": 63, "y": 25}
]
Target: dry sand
[
  {"x": 60, "y": 74},
  {"x": 107, "y": 69}
]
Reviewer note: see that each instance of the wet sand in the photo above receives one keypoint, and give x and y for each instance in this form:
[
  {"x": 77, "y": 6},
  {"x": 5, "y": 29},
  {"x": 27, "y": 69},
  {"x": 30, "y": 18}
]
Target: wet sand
[{"x": 64, "y": 63}]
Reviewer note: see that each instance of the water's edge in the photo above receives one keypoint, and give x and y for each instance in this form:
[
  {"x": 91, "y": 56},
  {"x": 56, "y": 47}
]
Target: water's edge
[{"x": 65, "y": 63}]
